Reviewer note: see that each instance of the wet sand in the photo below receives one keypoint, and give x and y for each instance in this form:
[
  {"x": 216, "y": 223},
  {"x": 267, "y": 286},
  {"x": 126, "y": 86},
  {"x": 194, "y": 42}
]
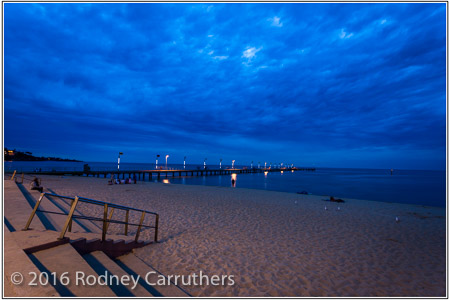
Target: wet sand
[{"x": 281, "y": 244}]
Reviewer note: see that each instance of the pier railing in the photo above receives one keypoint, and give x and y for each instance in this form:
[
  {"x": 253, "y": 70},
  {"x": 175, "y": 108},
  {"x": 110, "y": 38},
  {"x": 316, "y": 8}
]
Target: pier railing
[{"x": 106, "y": 219}]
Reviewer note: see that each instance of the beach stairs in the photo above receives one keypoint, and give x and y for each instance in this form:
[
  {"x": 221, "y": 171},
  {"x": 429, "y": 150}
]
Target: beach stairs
[{"x": 73, "y": 263}]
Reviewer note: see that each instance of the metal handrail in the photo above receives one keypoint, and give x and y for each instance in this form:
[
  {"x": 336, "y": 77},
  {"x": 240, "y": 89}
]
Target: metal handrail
[
  {"x": 98, "y": 202},
  {"x": 106, "y": 220}
]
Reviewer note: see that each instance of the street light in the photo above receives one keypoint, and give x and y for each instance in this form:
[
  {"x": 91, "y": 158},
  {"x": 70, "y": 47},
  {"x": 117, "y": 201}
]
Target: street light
[
  {"x": 166, "y": 160},
  {"x": 265, "y": 165},
  {"x": 184, "y": 164},
  {"x": 220, "y": 164},
  {"x": 232, "y": 164},
  {"x": 251, "y": 166},
  {"x": 118, "y": 160},
  {"x": 204, "y": 163},
  {"x": 157, "y": 156}
]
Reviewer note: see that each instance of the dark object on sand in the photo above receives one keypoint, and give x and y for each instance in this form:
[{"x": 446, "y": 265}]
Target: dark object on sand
[
  {"x": 303, "y": 193},
  {"x": 332, "y": 199}
]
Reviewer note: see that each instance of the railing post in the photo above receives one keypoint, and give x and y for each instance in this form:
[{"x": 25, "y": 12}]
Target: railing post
[
  {"x": 126, "y": 222},
  {"x": 70, "y": 224},
  {"x": 140, "y": 225},
  {"x": 105, "y": 218},
  {"x": 69, "y": 218},
  {"x": 156, "y": 228},
  {"x": 109, "y": 219},
  {"x": 23, "y": 175},
  {"x": 33, "y": 212},
  {"x": 14, "y": 174}
]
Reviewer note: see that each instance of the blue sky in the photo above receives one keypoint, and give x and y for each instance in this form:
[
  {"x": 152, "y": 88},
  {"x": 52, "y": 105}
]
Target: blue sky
[{"x": 331, "y": 85}]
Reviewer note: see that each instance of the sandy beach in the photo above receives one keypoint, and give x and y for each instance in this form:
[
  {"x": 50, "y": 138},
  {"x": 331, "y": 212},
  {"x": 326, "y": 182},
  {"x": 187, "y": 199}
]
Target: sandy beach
[{"x": 281, "y": 244}]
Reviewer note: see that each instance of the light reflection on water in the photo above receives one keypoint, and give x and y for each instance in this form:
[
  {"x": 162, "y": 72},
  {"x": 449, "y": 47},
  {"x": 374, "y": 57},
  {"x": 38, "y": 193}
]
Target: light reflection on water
[{"x": 233, "y": 179}]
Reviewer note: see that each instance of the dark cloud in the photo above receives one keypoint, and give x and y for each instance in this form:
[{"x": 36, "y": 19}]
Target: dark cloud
[{"x": 309, "y": 83}]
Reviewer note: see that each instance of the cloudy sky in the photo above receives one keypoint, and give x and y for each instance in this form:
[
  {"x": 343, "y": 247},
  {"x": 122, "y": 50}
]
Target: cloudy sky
[{"x": 331, "y": 85}]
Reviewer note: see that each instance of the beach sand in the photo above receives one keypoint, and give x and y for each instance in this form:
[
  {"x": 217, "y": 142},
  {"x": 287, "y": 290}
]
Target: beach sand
[{"x": 281, "y": 244}]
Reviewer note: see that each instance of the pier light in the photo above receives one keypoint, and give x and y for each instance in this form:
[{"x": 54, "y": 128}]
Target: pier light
[
  {"x": 281, "y": 172},
  {"x": 184, "y": 163},
  {"x": 204, "y": 163},
  {"x": 265, "y": 173},
  {"x": 166, "y": 181},
  {"x": 232, "y": 164},
  {"x": 166, "y": 160},
  {"x": 118, "y": 160},
  {"x": 157, "y": 156},
  {"x": 220, "y": 164}
]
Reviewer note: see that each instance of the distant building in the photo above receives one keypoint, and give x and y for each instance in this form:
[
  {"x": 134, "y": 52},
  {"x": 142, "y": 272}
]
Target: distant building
[{"x": 9, "y": 152}]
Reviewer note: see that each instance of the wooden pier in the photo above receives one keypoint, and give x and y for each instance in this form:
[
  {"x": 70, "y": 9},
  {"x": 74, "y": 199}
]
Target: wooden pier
[{"x": 148, "y": 174}]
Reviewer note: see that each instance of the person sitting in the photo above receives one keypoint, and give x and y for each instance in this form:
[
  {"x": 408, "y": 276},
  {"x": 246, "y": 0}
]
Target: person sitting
[
  {"x": 112, "y": 180},
  {"x": 35, "y": 185}
]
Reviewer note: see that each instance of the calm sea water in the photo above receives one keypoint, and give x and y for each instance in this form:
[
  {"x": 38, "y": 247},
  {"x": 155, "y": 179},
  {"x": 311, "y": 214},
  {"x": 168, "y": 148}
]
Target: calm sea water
[{"x": 404, "y": 186}]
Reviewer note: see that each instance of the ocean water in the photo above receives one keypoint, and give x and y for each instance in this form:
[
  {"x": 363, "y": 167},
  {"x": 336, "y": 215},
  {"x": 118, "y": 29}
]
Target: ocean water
[{"x": 404, "y": 186}]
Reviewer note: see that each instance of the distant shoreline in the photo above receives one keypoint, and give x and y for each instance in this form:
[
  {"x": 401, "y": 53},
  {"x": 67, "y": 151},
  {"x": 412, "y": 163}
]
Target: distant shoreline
[{"x": 15, "y": 155}]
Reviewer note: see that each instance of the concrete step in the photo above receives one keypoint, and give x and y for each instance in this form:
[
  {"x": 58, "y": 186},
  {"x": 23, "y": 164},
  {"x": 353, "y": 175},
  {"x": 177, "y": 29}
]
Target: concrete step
[
  {"x": 17, "y": 261},
  {"x": 135, "y": 266},
  {"x": 63, "y": 259},
  {"x": 112, "y": 248},
  {"x": 124, "y": 286}
]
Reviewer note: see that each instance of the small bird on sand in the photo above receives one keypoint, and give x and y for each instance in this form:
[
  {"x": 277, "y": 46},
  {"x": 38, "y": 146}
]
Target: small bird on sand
[
  {"x": 326, "y": 208},
  {"x": 339, "y": 208},
  {"x": 397, "y": 219}
]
